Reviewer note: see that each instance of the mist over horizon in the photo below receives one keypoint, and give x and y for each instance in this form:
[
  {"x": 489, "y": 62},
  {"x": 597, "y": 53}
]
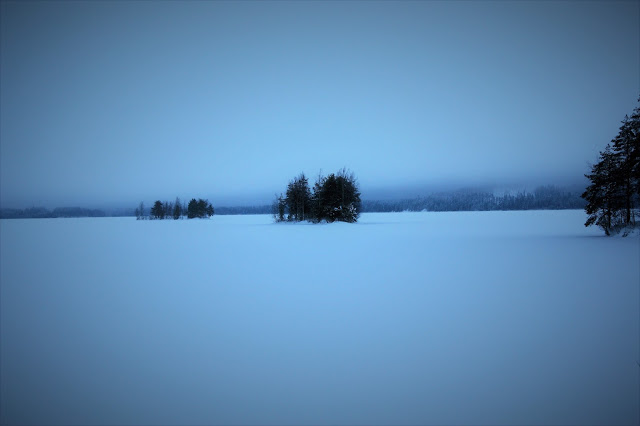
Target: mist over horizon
[
  {"x": 111, "y": 103},
  {"x": 249, "y": 199}
]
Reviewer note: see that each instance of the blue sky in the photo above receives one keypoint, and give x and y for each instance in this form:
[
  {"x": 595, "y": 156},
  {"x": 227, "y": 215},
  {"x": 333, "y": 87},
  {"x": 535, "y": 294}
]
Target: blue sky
[{"x": 110, "y": 103}]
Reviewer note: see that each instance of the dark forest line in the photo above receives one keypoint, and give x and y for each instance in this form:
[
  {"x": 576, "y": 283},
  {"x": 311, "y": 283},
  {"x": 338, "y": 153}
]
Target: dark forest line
[
  {"x": 548, "y": 197},
  {"x": 43, "y": 213}
]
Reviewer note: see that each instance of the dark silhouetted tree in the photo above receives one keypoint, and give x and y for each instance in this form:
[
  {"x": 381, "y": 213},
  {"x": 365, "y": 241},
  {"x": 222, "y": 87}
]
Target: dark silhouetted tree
[
  {"x": 613, "y": 194},
  {"x": 635, "y": 148},
  {"x": 298, "y": 198},
  {"x": 157, "y": 211},
  {"x": 338, "y": 198},
  {"x": 177, "y": 209},
  {"x": 316, "y": 202},
  {"x": 192, "y": 209},
  {"x": 334, "y": 198},
  {"x": 199, "y": 208},
  {"x": 202, "y": 208},
  {"x": 349, "y": 197},
  {"x": 278, "y": 208},
  {"x": 623, "y": 152}
]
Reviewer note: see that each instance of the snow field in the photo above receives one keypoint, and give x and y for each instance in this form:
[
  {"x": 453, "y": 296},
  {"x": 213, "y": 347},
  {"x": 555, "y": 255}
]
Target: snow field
[{"x": 402, "y": 318}]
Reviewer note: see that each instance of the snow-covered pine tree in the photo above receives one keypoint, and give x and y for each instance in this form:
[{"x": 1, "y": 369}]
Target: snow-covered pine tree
[{"x": 614, "y": 192}]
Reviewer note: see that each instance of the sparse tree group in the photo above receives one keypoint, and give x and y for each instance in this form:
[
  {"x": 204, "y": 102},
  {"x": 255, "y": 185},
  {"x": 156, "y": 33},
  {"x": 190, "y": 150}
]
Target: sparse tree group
[
  {"x": 200, "y": 208},
  {"x": 613, "y": 196},
  {"x": 334, "y": 198}
]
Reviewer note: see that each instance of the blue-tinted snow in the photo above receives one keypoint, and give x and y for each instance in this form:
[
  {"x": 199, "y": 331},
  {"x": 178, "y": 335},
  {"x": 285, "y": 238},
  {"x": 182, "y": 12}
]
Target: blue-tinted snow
[{"x": 447, "y": 318}]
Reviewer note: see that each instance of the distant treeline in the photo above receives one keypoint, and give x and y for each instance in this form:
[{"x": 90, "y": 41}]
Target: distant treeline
[
  {"x": 41, "y": 212},
  {"x": 548, "y": 197},
  {"x": 244, "y": 210},
  {"x": 542, "y": 198}
]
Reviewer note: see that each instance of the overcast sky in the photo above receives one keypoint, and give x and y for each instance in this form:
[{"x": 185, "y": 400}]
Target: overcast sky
[{"x": 121, "y": 101}]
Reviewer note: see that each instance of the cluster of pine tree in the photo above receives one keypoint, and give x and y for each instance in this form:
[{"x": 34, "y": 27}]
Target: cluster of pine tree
[
  {"x": 614, "y": 193},
  {"x": 196, "y": 208},
  {"x": 334, "y": 198}
]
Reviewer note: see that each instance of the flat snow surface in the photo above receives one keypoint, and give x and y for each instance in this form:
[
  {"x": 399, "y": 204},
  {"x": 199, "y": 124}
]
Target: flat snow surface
[{"x": 403, "y": 318}]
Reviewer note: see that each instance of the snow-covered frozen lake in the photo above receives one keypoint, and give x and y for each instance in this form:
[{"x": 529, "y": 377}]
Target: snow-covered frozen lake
[{"x": 403, "y": 318}]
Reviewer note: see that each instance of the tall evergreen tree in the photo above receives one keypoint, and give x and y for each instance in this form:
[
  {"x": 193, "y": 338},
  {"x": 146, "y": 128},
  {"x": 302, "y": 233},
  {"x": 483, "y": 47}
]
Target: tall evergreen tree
[
  {"x": 624, "y": 157},
  {"x": 177, "y": 209},
  {"x": 603, "y": 195},
  {"x": 316, "y": 201},
  {"x": 298, "y": 198},
  {"x": 282, "y": 206},
  {"x": 634, "y": 124},
  {"x": 157, "y": 211},
  {"x": 350, "y": 196},
  {"x": 192, "y": 209},
  {"x": 202, "y": 208},
  {"x": 330, "y": 199},
  {"x": 339, "y": 198},
  {"x": 278, "y": 208},
  {"x": 613, "y": 193}
]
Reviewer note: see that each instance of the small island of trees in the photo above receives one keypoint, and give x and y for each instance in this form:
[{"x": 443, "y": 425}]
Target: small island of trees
[
  {"x": 334, "y": 198},
  {"x": 614, "y": 193},
  {"x": 199, "y": 208}
]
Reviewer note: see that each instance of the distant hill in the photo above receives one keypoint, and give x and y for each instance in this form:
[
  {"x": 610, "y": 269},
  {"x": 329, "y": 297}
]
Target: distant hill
[
  {"x": 542, "y": 198},
  {"x": 41, "y": 212},
  {"x": 243, "y": 210}
]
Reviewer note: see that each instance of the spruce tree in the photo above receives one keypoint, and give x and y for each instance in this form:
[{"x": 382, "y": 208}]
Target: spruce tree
[
  {"x": 603, "y": 196},
  {"x": 330, "y": 199},
  {"x": 177, "y": 209},
  {"x": 623, "y": 153},
  {"x": 278, "y": 208},
  {"x": 614, "y": 192},
  {"x": 316, "y": 202},
  {"x": 298, "y": 198},
  {"x": 634, "y": 124},
  {"x": 350, "y": 196},
  {"x": 157, "y": 211},
  {"x": 202, "y": 208},
  {"x": 282, "y": 205},
  {"x": 192, "y": 209}
]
